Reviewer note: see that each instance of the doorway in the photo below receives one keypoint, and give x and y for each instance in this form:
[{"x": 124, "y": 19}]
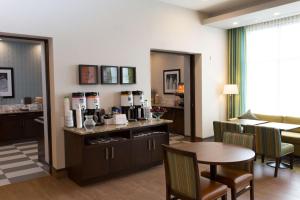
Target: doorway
[
  {"x": 25, "y": 125},
  {"x": 169, "y": 68}
]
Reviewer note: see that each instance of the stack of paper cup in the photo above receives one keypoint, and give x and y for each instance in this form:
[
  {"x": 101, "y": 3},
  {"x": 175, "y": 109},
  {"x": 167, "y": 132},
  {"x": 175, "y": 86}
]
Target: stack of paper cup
[{"x": 69, "y": 122}]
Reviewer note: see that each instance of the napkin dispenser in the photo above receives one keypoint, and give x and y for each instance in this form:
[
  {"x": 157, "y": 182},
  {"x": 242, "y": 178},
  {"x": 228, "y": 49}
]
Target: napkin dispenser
[{"x": 120, "y": 119}]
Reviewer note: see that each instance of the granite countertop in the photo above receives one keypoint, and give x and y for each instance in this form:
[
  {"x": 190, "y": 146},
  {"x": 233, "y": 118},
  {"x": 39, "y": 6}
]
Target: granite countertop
[
  {"x": 108, "y": 128},
  {"x": 168, "y": 106},
  {"x": 19, "y": 112}
]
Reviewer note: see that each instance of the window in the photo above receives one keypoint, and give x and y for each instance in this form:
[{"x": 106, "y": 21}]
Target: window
[{"x": 273, "y": 67}]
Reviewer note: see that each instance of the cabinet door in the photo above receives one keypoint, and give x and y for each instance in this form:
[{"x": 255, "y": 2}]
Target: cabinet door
[
  {"x": 141, "y": 151},
  {"x": 178, "y": 125},
  {"x": 157, "y": 141},
  {"x": 95, "y": 161},
  {"x": 10, "y": 128},
  {"x": 31, "y": 128},
  {"x": 120, "y": 156}
]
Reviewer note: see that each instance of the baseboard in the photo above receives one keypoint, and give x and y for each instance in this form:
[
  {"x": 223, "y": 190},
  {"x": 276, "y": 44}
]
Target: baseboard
[{"x": 59, "y": 173}]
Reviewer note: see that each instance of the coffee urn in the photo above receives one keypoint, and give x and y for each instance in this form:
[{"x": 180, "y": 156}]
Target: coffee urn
[
  {"x": 78, "y": 101},
  {"x": 94, "y": 107},
  {"x": 138, "y": 103},
  {"x": 127, "y": 105}
]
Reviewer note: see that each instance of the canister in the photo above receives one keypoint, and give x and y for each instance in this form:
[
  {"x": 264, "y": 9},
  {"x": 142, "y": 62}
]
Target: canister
[
  {"x": 93, "y": 100},
  {"x": 78, "y": 98},
  {"x": 138, "y": 98},
  {"x": 126, "y": 99}
]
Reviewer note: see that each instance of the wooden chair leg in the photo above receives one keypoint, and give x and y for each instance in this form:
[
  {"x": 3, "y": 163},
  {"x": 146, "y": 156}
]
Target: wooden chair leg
[
  {"x": 276, "y": 167},
  {"x": 291, "y": 161},
  {"x": 224, "y": 197},
  {"x": 233, "y": 194},
  {"x": 262, "y": 158},
  {"x": 252, "y": 190}
]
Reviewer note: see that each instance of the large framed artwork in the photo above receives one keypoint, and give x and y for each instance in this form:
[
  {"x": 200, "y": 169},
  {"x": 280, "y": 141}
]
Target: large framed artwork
[
  {"x": 128, "y": 75},
  {"x": 7, "y": 82},
  {"x": 88, "y": 74},
  {"x": 171, "y": 80},
  {"x": 109, "y": 74}
]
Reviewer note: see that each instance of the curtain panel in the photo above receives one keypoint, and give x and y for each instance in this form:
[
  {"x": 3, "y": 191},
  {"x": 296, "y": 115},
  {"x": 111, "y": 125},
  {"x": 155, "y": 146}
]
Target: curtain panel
[{"x": 237, "y": 70}]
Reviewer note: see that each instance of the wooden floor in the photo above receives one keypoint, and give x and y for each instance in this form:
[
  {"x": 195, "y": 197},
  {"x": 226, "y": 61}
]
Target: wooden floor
[{"x": 146, "y": 185}]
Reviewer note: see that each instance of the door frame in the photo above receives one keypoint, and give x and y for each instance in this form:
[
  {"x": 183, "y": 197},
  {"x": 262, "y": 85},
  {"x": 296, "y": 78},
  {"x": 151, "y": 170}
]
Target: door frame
[
  {"x": 47, "y": 42},
  {"x": 192, "y": 85}
]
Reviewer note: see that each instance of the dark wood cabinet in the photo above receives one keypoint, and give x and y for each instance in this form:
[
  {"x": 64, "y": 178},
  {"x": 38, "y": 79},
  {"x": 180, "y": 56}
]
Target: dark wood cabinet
[
  {"x": 86, "y": 162},
  {"x": 95, "y": 161},
  {"x": 19, "y": 126},
  {"x": 157, "y": 152},
  {"x": 120, "y": 156},
  {"x": 142, "y": 155},
  {"x": 176, "y": 114}
]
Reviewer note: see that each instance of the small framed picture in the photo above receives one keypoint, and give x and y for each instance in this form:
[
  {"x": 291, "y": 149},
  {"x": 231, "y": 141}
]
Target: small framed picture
[
  {"x": 128, "y": 75},
  {"x": 109, "y": 74},
  {"x": 171, "y": 80},
  {"x": 88, "y": 74},
  {"x": 7, "y": 82}
]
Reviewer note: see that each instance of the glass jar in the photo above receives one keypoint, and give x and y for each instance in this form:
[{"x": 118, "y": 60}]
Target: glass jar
[{"x": 89, "y": 123}]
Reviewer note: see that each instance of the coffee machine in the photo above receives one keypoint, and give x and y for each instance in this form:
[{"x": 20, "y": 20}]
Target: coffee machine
[
  {"x": 127, "y": 105},
  {"x": 78, "y": 101},
  {"x": 94, "y": 107},
  {"x": 138, "y": 103}
]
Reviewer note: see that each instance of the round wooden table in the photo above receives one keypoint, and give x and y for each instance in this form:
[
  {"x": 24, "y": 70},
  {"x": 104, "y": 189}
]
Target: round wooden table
[{"x": 217, "y": 153}]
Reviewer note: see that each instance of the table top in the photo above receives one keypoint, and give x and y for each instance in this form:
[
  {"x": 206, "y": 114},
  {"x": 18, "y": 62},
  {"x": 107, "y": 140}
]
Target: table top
[
  {"x": 281, "y": 126},
  {"x": 217, "y": 153},
  {"x": 109, "y": 128},
  {"x": 251, "y": 122}
]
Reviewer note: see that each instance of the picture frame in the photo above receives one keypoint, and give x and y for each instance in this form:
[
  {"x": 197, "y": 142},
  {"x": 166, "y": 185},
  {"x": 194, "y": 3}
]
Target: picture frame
[
  {"x": 88, "y": 74},
  {"x": 127, "y": 75},
  {"x": 171, "y": 79},
  {"x": 7, "y": 82},
  {"x": 109, "y": 74}
]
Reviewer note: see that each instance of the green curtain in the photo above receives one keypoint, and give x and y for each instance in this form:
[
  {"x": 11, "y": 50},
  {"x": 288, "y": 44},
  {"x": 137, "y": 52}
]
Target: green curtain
[{"x": 237, "y": 70}]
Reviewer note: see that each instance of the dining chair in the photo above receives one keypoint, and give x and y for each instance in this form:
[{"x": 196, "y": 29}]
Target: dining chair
[
  {"x": 183, "y": 180},
  {"x": 238, "y": 177},
  {"x": 221, "y": 127},
  {"x": 250, "y": 129},
  {"x": 268, "y": 144}
]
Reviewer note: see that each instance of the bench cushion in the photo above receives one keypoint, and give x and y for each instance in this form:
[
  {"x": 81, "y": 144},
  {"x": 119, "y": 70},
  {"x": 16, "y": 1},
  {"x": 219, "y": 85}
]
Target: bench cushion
[
  {"x": 269, "y": 118},
  {"x": 290, "y": 137},
  {"x": 292, "y": 120}
]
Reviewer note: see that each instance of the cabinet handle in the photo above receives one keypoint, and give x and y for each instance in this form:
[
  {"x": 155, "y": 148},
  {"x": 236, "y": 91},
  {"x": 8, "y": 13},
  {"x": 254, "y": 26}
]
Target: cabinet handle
[
  {"x": 106, "y": 153},
  {"x": 154, "y": 144},
  {"x": 112, "y": 152},
  {"x": 149, "y": 145}
]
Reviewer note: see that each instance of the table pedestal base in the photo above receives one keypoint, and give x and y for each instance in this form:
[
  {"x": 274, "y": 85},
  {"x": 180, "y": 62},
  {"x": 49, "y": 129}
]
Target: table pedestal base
[{"x": 281, "y": 165}]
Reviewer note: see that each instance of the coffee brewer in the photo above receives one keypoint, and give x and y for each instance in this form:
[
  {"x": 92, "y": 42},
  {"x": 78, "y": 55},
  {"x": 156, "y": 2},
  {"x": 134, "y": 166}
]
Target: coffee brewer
[
  {"x": 78, "y": 101},
  {"x": 127, "y": 105},
  {"x": 138, "y": 103},
  {"x": 93, "y": 107}
]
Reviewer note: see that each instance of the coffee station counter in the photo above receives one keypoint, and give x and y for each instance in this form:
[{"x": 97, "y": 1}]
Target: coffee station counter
[
  {"x": 113, "y": 150},
  {"x": 109, "y": 128}
]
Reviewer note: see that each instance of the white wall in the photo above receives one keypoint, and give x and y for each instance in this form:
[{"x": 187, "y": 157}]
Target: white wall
[{"x": 116, "y": 32}]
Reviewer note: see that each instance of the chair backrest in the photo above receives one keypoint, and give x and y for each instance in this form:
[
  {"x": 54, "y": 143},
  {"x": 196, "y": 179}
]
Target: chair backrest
[
  {"x": 268, "y": 141},
  {"x": 249, "y": 129},
  {"x": 182, "y": 173},
  {"x": 221, "y": 127},
  {"x": 243, "y": 140}
]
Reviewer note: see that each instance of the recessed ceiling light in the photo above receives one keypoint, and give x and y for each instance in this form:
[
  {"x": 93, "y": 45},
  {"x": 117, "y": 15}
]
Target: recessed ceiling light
[
  {"x": 235, "y": 23},
  {"x": 0, "y": 39},
  {"x": 276, "y": 13}
]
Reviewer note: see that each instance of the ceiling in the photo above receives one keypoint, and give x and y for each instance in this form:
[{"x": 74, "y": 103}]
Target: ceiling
[
  {"x": 215, "y": 7},
  {"x": 227, "y": 14}
]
